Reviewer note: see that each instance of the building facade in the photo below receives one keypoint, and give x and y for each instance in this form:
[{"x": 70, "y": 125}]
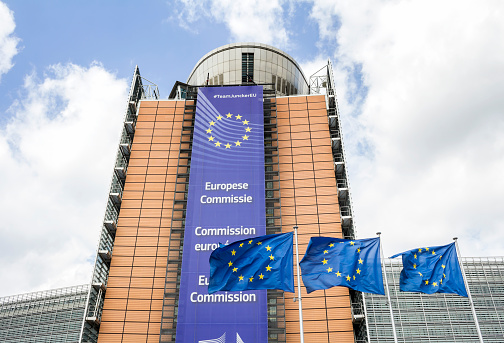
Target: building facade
[
  {"x": 441, "y": 317},
  {"x": 135, "y": 294},
  {"x": 136, "y": 282},
  {"x": 47, "y": 316}
]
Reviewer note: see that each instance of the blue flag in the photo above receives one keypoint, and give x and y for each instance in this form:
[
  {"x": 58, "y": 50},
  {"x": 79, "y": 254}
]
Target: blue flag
[
  {"x": 432, "y": 270},
  {"x": 263, "y": 262},
  {"x": 332, "y": 262}
]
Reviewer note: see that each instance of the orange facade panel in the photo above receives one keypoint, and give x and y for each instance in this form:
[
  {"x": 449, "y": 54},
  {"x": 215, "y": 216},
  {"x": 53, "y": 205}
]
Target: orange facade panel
[
  {"x": 133, "y": 302},
  {"x": 134, "y": 298},
  {"x": 309, "y": 199}
]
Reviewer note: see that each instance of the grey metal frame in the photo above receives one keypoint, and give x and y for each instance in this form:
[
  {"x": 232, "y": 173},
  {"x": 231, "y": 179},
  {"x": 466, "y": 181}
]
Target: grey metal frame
[
  {"x": 322, "y": 82},
  {"x": 141, "y": 88}
]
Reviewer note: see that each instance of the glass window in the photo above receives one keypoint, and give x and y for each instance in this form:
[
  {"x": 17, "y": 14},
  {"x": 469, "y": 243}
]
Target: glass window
[{"x": 247, "y": 67}]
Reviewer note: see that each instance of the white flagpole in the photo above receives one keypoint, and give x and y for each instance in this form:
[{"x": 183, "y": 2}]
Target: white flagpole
[
  {"x": 301, "y": 332},
  {"x": 388, "y": 291},
  {"x": 468, "y": 291}
]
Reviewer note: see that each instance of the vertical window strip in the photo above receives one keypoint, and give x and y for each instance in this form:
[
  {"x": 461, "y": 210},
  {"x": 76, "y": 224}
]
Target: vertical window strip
[{"x": 247, "y": 67}]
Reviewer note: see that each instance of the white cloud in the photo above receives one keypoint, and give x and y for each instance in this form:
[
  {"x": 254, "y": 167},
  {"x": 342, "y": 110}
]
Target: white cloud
[
  {"x": 57, "y": 154},
  {"x": 8, "y": 42},
  {"x": 248, "y": 21},
  {"x": 419, "y": 85}
]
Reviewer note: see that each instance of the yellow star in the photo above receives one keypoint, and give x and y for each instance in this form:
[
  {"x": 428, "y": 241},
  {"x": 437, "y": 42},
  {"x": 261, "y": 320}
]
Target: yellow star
[
  {"x": 240, "y": 278},
  {"x": 354, "y": 277},
  {"x": 338, "y": 273},
  {"x": 218, "y": 144},
  {"x": 426, "y": 282},
  {"x": 229, "y": 115},
  {"x": 245, "y": 138},
  {"x": 237, "y": 143},
  {"x": 420, "y": 274},
  {"x": 352, "y": 243},
  {"x": 233, "y": 252},
  {"x": 415, "y": 256},
  {"x": 245, "y": 122},
  {"x": 444, "y": 275},
  {"x": 434, "y": 284},
  {"x": 219, "y": 117},
  {"x": 441, "y": 281},
  {"x": 259, "y": 243},
  {"x": 228, "y": 146},
  {"x": 325, "y": 251},
  {"x": 230, "y": 263},
  {"x": 271, "y": 257},
  {"x": 414, "y": 266},
  {"x": 324, "y": 261},
  {"x": 358, "y": 250},
  {"x": 268, "y": 248},
  {"x": 261, "y": 276},
  {"x": 331, "y": 245},
  {"x": 212, "y": 123},
  {"x": 443, "y": 266},
  {"x": 433, "y": 253},
  {"x": 238, "y": 117},
  {"x": 426, "y": 249},
  {"x": 360, "y": 261},
  {"x": 250, "y": 242},
  {"x": 348, "y": 278},
  {"x": 268, "y": 268},
  {"x": 241, "y": 245},
  {"x": 358, "y": 271},
  {"x": 210, "y": 138},
  {"x": 420, "y": 250},
  {"x": 248, "y": 129},
  {"x": 251, "y": 279},
  {"x": 208, "y": 130},
  {"x": 235, "y": 270},
  {"x": 329, "y": 269}
]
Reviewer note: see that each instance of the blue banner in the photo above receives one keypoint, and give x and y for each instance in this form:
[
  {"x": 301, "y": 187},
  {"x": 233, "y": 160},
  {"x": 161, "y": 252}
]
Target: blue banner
[{"x": 225, "y": 203}]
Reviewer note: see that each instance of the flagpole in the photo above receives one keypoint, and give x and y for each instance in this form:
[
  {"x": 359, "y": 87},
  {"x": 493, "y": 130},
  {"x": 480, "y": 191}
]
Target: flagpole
[
  {"x": 301, "y": 332},
  {"x": 473, "y": 309},
  {"x": 388, "y": 291}
]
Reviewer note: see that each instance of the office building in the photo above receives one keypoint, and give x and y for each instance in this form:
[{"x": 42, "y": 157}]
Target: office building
[
  {"x": 139, "y": 265},
  {"x": 151, "y": 270},
  {"x": 441, "y": 317},
  {"x": 48, "y": 316}
]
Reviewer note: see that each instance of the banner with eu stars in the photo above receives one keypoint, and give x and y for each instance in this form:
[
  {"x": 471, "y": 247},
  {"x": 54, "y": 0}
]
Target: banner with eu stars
[
  {"x": 432, "y": 270},
  {"x": 263, "y": 262},
  {"x": 355, "y": 264},
  {"x": 225, "y": 203}
]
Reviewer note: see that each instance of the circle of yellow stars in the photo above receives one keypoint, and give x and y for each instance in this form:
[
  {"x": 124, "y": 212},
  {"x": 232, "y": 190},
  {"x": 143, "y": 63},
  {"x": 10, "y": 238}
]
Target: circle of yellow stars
[
  {"x": 219, "y": 144},
  {"x": 427, "y": 282},
  {"x": 261, "y": 276},
  {"x": 338, "y": 273}
]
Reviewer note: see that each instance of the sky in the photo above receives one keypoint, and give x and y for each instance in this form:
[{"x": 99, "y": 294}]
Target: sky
[{"x": 420, "y": 88}]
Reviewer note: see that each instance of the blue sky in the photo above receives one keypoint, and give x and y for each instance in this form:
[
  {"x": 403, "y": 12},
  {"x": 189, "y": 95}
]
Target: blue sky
[{"x": 419, "y": 87}]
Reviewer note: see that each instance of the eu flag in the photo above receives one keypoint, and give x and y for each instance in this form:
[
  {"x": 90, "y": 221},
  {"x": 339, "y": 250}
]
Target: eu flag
[
  {"x": 263, "y": 262},
  {"x": 332, "y": 262},
  {"x": 432, "y": 270}
]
